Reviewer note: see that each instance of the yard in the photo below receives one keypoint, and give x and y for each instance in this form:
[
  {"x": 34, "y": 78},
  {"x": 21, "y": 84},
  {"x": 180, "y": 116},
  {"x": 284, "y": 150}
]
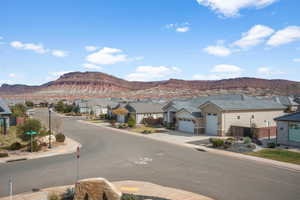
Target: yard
[
  {"x": 279, "y": 155},
  {"x": 10, "y": 138}
]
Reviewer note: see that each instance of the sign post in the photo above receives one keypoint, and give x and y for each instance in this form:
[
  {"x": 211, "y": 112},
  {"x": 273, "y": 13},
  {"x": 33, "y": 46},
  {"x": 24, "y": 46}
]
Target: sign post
[
  {"x": 31, "y": 133},
  {"x": 77, "y": 158},
  {"x": 10, "y": 188}
]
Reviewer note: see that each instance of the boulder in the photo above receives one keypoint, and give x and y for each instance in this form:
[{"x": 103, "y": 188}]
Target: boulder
[
  {"x": 96, "y": 189},
  {"x": 45, "y": 139}
]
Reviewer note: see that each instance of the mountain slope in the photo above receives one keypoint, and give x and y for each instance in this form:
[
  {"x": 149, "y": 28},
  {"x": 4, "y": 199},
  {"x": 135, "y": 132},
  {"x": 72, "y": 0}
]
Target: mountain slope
[{"x": 76, "y": 84}]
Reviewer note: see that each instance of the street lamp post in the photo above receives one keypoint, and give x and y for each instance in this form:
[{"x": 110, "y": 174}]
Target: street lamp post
[{"x": 50, "y": 132}]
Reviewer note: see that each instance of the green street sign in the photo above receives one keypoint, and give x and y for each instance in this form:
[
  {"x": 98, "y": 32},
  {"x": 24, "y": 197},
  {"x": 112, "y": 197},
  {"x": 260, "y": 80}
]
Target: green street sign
[{"x": 31, "y": 133}]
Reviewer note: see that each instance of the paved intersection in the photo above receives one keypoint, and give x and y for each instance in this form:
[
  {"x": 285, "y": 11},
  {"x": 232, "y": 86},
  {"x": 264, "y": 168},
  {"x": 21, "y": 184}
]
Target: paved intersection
[{"x": 118, "y": 156}]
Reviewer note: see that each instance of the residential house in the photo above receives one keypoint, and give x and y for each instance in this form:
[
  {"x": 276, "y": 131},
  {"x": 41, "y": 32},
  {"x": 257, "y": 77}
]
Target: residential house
[
  {"x": 5, "y": 114},
  {"x": 144, "y": 110},
  {"x": 220, "y": 117},
  {"x": 288, "y": 129}
]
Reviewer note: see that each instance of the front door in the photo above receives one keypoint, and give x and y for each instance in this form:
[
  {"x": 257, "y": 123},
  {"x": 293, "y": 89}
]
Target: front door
[{"x": 211, "y": 124}]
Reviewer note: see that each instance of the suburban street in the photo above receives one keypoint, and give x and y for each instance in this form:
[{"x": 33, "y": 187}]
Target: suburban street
[{"x": 118, "y": 156}]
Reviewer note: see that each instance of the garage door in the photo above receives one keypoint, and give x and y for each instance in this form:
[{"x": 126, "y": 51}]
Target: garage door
[
  {"x": 186, "y": 126},
  {"x": 212, "y": 124}
]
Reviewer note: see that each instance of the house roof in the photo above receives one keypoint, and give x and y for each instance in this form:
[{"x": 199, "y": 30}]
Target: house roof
[
  {"x": 146, "y": 107},
  {"x": 4, "y": 109},
  {"x": 294, "y": 117},
  {"x": 285, "y": 100},
  {"x": 247, "y": 104}
]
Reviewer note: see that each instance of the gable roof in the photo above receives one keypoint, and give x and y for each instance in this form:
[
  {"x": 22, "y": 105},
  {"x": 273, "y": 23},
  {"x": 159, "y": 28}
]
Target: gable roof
[
  {"x": 247, "y": 104},
  {"x": 146, "y": 107},
  {"x": 294, "y": 117},
  {"x": 4, "y": 109}
]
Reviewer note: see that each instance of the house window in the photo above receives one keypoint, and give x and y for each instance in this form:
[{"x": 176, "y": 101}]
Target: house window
[
  {"x": 294, "y": 131},
  {"x": 238, "y": 117}
]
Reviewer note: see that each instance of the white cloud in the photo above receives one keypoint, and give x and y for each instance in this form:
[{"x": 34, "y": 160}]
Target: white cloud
[
  {"x": 150, "y": 73},
  {"x": 231, "y": 8},
  {"x": 222, "y": 71},
  {"x": 217, "y": 50},
  {"x": 91, "y": 66},
  {"x": 12, "y": 75},
  {"x": 38, "y": 48},
  {"x": 91, "y": 48},
  {"x": 224, "y": 68},
  {"x": 254, "y": 36},
  {"x": 296, "y": 60},
  {"x": 284, "y": 36},
  {"x": 183, "y": 29},
  {"x": 107, "y": 56},
  {"x": 59, "y": 53},
  {"x": 268, "y": 71}
]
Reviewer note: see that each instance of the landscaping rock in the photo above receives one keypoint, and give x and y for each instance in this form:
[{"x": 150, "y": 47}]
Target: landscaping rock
[
  {"x": 45, "y": 139},
  {"x": 96, "y": 189}
]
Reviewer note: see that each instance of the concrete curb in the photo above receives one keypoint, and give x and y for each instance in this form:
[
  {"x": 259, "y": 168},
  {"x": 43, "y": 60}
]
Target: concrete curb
[
  {"x": 274, "y": 163},
  {"x": 70, "y": 147}
]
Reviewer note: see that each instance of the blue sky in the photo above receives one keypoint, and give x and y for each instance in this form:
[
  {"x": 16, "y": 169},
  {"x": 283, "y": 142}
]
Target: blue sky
[{"x": 149, "y": 40}]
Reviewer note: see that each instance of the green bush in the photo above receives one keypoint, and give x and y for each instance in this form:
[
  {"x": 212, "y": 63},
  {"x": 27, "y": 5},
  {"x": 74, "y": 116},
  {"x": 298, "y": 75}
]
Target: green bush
[
  {"x": 29, "y": 125},
  {"x": 147, "y": 131},
  {"x": 216, "y": 142},
  {"x": 129, "y": 197},
  {"x": 3, "y": 154},
  {"x": 247, "y": 140},
  {"x": 69, "y": 194},
  {"x": 35, "y": 146},
  {"x": 60, "y": 137},
  {"x": 15, "y": 146},
  {"x": 271, "y": 145},
  {"x": 131, "y": 122},
  {"x": 53, "y": 196}
]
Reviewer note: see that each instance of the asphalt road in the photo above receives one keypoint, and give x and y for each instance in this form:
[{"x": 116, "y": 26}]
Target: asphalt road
[{"x": 118, "y": 156}]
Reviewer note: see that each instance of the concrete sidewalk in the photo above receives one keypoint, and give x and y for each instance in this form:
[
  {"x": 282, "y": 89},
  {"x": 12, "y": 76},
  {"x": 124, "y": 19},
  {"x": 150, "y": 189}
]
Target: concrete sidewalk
[
  {"x": 70, "y": 146},
  {"x": 180, "y": 139},
  {"x": 143, "y": 189}
]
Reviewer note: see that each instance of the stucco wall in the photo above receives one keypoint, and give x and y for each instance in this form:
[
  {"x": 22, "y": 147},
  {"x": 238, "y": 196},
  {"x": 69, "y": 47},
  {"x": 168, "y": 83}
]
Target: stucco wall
[{"x": 242, "y": 118}]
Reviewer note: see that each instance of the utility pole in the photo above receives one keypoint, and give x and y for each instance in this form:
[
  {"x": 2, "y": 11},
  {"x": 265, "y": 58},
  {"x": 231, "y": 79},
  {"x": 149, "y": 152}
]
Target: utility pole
[
  {"x": 77, "y": 162},
  {"x": 50, "y": 132}
]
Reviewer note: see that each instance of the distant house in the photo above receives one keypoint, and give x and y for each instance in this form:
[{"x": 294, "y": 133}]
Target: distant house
[
  {"x": 5, "y": 114},
  {"x": 288, "y": 129},
  {"x": 144, "y": 110}
]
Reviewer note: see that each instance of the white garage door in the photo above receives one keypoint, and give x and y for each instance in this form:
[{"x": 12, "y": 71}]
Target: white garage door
[
  {"x": 212, "y": 124},
  {"x": 186, "y": 126}
]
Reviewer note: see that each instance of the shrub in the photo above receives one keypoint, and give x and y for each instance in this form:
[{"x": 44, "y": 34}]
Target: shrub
[
  {"x": 152, "y": 122},
  {"x": 69, "y": 194},
  {"x": 35, "y": 146},
  {"x": 147, "y": 131},
  {"x": 271, "y": 145},
  {"x": 247, "y": 140},
  {"x": 131, "y": 122},
  {"x": 129, "y": 197},
  {"x": 3, "y": 154},
  {"x": 113, "y": 122},
  {"x": 60, "y": 137},
  {"x": 216, "y": 142},
  {"x": 123, "y": 126},
  {"x": 15, "y": 146},
  {"x": 53, "y": 196},
  {"x": 29, "y": 125}
]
